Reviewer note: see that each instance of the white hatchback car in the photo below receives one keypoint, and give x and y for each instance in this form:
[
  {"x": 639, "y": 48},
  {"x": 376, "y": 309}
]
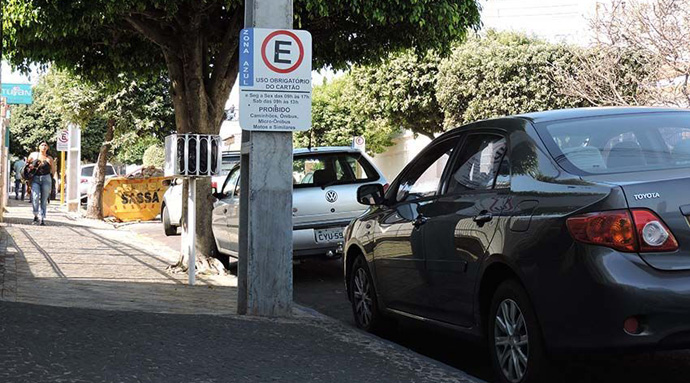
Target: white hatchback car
[
  {"x": 324, "y": 201},
  {"x": 86, "y": 179}
]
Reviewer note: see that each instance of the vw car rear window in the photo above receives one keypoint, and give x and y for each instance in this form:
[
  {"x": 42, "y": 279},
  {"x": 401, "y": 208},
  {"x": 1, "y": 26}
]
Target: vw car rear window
[
  {"x": 331, "y": 169},
  {"x": 623, "y": 143}
]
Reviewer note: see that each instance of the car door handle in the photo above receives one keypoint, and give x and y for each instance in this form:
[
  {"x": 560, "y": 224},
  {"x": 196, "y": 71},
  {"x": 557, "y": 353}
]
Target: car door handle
[
  {"x": 482, "y": 217},
  {"x": 368, "y": 226},
  {"x": 420, "y": 220}
]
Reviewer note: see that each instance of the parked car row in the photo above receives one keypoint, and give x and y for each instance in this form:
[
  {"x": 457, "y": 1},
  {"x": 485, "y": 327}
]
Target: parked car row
[
  {"x": 171, "y": 209},
  {"x": 325, "y": 182},
  {"x": 540, "y": 233}
]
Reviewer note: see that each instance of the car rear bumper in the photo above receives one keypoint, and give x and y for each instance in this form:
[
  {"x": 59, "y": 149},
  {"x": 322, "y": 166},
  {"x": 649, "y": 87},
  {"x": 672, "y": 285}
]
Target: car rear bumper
[
  {"x": 597, "y": 289},
  {"x": 304, "y": 243}
]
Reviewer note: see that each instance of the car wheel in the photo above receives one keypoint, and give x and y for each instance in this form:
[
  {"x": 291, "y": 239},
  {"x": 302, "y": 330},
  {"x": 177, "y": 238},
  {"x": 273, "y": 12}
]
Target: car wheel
[
  {"x": 364, "y": 305},
  {"x": 514, "y": 336},
  {"x": 167, "y": 226}
]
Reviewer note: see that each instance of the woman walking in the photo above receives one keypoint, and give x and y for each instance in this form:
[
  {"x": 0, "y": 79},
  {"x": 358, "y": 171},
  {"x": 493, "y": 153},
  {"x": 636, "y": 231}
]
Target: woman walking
[{"x": 42, "y": 180}]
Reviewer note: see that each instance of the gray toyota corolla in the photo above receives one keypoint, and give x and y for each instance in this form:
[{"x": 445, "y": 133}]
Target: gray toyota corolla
[{"x": 541, "y": 233}]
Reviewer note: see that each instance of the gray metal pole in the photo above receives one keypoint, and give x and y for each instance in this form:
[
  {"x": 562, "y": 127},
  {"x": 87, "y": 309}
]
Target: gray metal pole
[
  {"x": 265, "y": 259},
  {"x": 191, "y": 224}
]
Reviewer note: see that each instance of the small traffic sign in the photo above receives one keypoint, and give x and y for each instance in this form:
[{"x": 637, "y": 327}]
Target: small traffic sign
[
  {"x": 358, "y": 142},
  {"x": 275, "y": 79},
  {"x": 63, "y": 141}
]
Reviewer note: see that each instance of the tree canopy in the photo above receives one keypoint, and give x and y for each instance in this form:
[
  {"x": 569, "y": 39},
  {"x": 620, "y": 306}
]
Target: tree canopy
[
  {"x": 492, "y": 75},
  {"x": 196, "y": 40},
  {"x": 143, "y": 113}
]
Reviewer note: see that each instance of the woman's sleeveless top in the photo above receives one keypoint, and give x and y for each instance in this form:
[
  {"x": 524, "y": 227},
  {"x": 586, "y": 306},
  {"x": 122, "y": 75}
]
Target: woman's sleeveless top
[{"x": 42, "y": 167}]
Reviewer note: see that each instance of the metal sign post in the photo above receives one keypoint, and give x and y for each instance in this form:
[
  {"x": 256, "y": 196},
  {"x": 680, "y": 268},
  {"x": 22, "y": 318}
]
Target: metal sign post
[
  {"x": 191, "y": 156},
  {"x": 191, "y": 233}
]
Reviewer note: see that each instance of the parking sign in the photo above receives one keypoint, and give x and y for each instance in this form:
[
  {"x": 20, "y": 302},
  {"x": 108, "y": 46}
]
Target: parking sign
[
  {"x": 275, "y": 79},
  {"x": 63, "y": 141}
]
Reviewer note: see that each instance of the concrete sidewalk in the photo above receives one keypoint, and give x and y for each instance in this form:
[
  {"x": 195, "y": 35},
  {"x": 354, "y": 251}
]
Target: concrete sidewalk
[
  {"x": 83, "y": 302},
  {"x": 75, "y": 262}
]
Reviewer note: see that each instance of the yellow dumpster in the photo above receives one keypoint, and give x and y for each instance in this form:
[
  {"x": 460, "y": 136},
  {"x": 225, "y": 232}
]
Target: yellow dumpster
[{"x": 133, "y": 199}]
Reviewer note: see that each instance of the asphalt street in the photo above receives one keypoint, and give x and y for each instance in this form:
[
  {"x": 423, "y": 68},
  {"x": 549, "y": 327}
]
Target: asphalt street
[
  {"x": 318, "y": 284},
  {"x": 49, "y": 344}
]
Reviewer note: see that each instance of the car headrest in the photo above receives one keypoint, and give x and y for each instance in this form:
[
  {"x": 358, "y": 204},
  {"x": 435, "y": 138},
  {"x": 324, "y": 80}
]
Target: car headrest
[
  {"x": 325, "y": 176},
  {"x": 625, "y": 154},
  {"x": 681, "y": 152},
  {"x": 587, "y": 158}
]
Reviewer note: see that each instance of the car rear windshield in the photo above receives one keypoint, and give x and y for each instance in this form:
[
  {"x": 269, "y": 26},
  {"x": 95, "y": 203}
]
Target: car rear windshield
[
  {"x": 327, "y": 169},
  {"x": 88, "y": 171},
  {"x": 622, "y": 143},
  {"x": 228, "y": 162}
]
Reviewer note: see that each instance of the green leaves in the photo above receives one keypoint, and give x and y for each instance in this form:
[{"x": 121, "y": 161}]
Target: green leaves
[
  {"x": 501, "y": 74},
  {"x": 142, "y": 112}
]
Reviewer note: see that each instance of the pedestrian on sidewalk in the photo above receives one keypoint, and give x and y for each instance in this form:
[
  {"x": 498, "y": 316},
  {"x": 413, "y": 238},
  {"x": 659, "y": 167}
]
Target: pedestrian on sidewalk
[
  {"x": 18, "y": 167},
  {"x": 42, "y": 181}
]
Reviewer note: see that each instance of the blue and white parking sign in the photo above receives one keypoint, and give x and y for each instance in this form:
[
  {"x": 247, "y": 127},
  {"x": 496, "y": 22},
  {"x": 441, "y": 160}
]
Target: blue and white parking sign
[{"x": 275, "y": 79}]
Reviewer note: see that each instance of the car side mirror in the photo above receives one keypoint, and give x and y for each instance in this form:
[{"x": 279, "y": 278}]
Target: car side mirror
[
  {"x": 217, "y": 195},
  {"x": 371, "y": 194}
]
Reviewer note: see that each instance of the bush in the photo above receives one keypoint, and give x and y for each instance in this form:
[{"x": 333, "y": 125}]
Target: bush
[
  {"x": 502, "y": 74},
  {"x": 154, "y": 156}
]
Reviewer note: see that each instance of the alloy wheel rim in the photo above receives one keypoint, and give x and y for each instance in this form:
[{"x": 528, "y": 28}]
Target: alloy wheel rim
[
  {"x": 511, "y": 340},
  {"x": 362, "y": 297}
]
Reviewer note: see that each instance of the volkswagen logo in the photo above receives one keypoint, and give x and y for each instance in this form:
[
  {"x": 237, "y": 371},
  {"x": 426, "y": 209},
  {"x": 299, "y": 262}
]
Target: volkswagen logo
[{"x": 331, "y": 196}]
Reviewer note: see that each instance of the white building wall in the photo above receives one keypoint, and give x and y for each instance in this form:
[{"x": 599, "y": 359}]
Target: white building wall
[{"x": 405, "y": 148}]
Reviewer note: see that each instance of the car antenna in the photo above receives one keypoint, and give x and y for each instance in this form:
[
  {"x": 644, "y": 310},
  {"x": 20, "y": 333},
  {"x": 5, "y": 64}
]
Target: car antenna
[{"x": 309, "y": 144}]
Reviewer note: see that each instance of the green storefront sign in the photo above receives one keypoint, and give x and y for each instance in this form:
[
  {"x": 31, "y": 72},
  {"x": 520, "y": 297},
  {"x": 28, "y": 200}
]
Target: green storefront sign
[{"x": 17, "y": 93}]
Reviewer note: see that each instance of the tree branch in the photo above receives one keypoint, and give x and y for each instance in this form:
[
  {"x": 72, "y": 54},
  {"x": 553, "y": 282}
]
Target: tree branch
[{"x": 152, "y": 32}]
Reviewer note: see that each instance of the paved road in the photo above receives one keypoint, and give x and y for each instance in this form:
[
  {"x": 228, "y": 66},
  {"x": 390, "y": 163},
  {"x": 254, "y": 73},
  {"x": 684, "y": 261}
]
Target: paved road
[
  {"x": 72, "y": 345},
  {"x": 318, "y": 284}
]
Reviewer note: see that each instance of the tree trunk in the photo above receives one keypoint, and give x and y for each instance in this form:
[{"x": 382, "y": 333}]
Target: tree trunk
[
  {"x": 95, "y": 206},
  {"x": 201, "y": 80}
]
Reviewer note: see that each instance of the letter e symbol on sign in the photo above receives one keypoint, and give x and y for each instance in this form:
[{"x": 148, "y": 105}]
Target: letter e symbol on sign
[{"x": 278, "y": 51}]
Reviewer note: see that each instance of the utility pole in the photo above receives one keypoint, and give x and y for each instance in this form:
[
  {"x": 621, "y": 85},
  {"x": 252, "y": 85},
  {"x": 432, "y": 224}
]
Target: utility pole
[{"x": 265, "y": 259}]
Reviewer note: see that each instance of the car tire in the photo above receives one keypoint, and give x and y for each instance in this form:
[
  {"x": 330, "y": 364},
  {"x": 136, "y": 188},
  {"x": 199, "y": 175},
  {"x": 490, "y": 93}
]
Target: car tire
[
  {"x": 363, "y": 297},
  {"x": 167, "y": 226},
  {"x": 515, "y": 341}
]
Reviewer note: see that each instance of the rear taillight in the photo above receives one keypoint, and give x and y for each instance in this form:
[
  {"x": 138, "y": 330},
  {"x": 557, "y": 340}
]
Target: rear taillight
[
  {"x": 654, "y": 235},
  {"x": 214, "y": 184},
  {"x": 610, "y": 228},
  {"x": 385, "y": 187},
  {"x": 637, "y": 230},
  {"x": 84, "y": 180}
]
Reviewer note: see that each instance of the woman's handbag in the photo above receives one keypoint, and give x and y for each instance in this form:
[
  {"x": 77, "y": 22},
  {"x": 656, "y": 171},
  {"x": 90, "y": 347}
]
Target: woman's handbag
[{"x": 28, "y": 172}]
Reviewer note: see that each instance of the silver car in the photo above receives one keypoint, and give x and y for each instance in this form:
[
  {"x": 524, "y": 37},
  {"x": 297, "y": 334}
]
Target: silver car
[
  {"x": 325, "y": 182},
  {"x": 171, "y": 208}
]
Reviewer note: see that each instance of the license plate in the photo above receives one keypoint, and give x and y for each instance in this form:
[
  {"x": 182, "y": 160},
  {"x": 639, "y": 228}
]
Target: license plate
[{"x": 329, "y": 235}]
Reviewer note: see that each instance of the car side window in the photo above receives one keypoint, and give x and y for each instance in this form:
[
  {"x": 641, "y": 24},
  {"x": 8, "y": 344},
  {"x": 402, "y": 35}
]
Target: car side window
[
  {"x": 479, "y": 163},
  {"x": 424, "y": 177},
  {"x": 231, "y": 185}
]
